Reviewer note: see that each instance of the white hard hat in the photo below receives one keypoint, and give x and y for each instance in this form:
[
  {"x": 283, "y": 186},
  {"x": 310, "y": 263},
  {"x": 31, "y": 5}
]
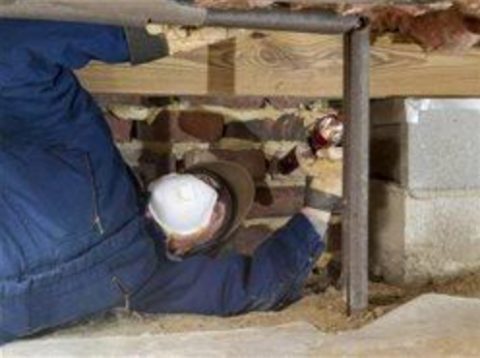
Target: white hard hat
[{"x": 181, "y": 204}]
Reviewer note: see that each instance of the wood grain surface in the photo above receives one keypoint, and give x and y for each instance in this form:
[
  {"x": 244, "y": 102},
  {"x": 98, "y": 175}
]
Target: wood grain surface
[{"x": 278, "y": 64}]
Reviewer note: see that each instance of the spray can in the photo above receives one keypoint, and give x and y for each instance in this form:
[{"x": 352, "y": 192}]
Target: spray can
[{"x": 326, "y": 132}]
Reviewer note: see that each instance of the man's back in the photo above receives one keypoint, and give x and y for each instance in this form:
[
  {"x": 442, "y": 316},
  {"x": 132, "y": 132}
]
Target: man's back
[
  {"x": 73, "y": 238},
  {"x": 70, "y": 215}
]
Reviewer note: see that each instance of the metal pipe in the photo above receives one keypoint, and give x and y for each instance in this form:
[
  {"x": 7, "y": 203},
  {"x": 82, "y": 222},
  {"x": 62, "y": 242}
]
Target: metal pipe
[
  {"x": 171, "y": 12},
  {"x": 356, "y": 168},
  {"x": 113, "y": 12},
  {"x": 283, "y": 20}
]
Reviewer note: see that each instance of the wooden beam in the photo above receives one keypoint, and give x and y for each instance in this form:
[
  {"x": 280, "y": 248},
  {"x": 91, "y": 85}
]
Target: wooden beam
[{"x": 289, "y": 64}]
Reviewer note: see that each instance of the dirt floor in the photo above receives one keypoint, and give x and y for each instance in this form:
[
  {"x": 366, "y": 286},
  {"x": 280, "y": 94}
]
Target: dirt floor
[{"x": 324, "y": 310}]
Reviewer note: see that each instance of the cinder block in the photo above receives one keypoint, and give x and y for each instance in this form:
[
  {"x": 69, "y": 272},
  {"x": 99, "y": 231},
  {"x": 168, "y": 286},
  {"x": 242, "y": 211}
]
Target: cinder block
[
  {"x": 427, "y": 143},
  {"x": 419, "y": 236}
]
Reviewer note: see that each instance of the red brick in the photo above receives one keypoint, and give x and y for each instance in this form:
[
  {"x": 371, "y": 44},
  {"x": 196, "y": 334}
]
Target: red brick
[
  {"x": 286, "y": 201},
  {"x": 252, "y": 159},
  {"x": 287, "y": 127},
  {"x": 183, "y": 126},
  {"x": 277, "y": 201},
  {"x": 121, "y": 129},
  {"x": 153, "y": 165},
  {"x": 247, "y": 239},
  {"x": 158, "y": 131},
  {"x": 203, "y": 125}
]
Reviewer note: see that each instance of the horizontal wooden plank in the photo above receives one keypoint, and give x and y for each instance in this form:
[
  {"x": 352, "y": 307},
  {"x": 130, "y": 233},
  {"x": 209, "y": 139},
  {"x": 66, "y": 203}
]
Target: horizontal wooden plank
[{"x": 290, "y": 64}]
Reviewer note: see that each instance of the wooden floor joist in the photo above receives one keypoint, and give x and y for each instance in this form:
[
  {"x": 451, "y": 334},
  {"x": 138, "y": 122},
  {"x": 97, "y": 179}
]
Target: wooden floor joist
[{"x": 289, "y": 64}]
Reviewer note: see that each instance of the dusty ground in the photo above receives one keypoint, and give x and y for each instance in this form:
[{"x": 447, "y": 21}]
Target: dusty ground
[{"x": 325, "y": 310}]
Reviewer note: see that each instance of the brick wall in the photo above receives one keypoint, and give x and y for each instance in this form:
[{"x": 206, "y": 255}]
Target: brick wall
[{"x": 158, "y": 136}]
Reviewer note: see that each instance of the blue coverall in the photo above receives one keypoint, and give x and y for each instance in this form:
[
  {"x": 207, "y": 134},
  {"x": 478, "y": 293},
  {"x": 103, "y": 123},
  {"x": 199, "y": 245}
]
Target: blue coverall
[{"x": 74, "y": 240}]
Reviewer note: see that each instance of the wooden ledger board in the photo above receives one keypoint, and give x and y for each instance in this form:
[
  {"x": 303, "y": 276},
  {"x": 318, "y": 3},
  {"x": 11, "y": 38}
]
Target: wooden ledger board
[{"x": 289, "y": 64}]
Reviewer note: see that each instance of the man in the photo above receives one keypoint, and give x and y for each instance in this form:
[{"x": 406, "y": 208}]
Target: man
[
  {"x": 200, "y": 209},
  {"x": 76, "y": 240}
]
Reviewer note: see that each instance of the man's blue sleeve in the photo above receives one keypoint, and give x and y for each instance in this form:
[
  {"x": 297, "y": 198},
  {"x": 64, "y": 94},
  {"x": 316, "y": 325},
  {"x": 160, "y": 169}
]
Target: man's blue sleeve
[
  {"x": 41, "y": 100},
  {"x": 32, "y": 52},
  {"x": 273, "y": 277}
]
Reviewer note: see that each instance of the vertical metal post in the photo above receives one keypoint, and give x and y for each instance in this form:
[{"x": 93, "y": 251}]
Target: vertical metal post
[{"x": 356, "y": 167}]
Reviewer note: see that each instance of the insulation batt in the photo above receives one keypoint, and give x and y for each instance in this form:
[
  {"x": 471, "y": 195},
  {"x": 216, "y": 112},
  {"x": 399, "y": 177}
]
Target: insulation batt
[{"x": 452, "y": 26}]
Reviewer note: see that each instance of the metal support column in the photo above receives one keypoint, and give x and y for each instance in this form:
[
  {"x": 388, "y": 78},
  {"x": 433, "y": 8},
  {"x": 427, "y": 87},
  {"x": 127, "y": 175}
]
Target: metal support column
[{"x": 356, "y": 168}]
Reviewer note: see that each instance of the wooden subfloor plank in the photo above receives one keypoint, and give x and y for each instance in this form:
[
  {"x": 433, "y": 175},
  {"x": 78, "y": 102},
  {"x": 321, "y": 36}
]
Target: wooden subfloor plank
[{"x": 289, "y": 64}]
